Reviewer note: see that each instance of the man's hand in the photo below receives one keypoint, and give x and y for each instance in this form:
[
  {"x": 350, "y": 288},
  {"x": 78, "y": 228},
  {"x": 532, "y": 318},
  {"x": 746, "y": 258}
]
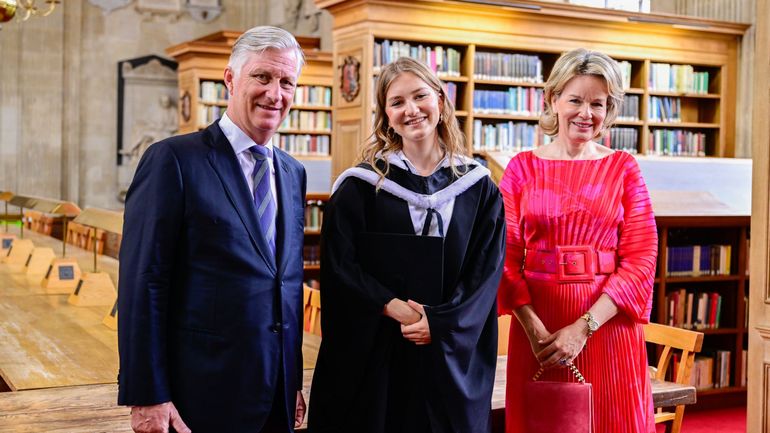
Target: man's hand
[
  {"x": 418, "y": 332},
  {"x": 299, "y": 412},
  {"x": 157, "y": 418}
]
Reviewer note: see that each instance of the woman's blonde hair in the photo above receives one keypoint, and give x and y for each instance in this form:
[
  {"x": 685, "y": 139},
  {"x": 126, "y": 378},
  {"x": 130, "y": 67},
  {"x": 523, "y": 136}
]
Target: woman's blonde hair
[
  {"x": 385, "y": 141},
  {"x": 582, "y": 62}
]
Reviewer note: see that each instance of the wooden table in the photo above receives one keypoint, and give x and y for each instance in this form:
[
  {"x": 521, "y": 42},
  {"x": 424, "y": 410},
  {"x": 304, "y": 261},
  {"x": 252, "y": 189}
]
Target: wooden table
[
  {"x": 46, "y": 342},
  {"x": 88, "y": 409}
]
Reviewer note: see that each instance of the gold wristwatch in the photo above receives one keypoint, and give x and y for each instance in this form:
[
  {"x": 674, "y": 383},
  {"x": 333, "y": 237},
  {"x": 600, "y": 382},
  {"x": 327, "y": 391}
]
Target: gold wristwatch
[{"x": 593, "y": 325}]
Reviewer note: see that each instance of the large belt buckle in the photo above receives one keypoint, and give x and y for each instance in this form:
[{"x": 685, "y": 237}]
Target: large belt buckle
[{"x": 576, "y": 263}]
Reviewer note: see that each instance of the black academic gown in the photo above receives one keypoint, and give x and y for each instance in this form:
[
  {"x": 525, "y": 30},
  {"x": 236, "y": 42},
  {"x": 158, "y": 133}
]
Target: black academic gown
[{"x": 368, "y": 378}]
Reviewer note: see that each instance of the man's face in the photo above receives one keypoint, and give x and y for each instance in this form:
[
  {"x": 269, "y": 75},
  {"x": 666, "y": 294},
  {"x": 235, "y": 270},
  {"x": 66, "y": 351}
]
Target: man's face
[{"x": 261, "y": 92}]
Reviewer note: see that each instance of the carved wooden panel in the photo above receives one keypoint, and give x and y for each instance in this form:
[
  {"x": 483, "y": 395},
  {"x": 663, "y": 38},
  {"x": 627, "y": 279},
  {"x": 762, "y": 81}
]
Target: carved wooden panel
[{"x": 347, "y": 142}]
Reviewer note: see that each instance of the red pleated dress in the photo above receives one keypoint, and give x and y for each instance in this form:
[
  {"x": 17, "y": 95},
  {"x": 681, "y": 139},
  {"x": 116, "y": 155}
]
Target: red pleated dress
[{"x": 604, "y": 204}]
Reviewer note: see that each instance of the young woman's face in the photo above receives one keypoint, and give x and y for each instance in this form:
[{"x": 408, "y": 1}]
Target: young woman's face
[
  {"x": 581, "y": 108},
  {"x": 413, "y": 109}
]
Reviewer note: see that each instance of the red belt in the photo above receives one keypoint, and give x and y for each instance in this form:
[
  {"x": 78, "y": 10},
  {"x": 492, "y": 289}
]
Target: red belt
[{"x": 570, "y": 263}]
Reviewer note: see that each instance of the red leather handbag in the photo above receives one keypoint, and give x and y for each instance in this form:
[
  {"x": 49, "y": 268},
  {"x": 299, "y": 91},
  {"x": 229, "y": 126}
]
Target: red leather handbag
[{"x": 559, "y": 407}]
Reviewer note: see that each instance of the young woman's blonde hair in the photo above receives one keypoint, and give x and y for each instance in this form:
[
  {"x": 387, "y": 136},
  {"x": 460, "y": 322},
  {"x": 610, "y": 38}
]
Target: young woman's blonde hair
[
  {"x": 385, "y": 141},
  {"x": 582, "y": 62}
]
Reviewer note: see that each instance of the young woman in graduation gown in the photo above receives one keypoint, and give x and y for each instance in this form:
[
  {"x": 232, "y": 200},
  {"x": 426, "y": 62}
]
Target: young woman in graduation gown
[
  {"x": 388, "y": 364},
  {"x": 581, "y": 252}
]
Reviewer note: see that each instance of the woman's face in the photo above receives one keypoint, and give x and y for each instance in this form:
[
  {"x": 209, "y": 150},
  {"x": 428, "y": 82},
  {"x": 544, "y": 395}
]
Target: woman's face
[
  {"x": 413, "y": 109},
  {"x": 581, "y": 108}
]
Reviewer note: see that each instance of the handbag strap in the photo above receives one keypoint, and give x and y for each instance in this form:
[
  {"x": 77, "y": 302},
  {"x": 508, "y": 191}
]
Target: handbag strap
[{"x": 571, "y": 367}]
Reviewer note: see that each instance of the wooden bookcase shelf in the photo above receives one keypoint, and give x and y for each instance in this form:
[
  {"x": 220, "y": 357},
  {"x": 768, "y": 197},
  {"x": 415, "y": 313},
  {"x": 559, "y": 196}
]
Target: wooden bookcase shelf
[
  {"x": 544, "y": 30},
  {"x": 677, "y": 231}
]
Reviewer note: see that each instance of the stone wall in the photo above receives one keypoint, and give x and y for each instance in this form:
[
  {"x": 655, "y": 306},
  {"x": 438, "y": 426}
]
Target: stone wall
[{"x": 58, "y": 91}]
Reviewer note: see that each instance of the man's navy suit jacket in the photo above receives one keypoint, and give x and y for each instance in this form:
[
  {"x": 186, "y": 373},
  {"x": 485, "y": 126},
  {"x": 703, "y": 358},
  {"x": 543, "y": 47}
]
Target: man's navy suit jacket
[{"x": 207, "y": 318}]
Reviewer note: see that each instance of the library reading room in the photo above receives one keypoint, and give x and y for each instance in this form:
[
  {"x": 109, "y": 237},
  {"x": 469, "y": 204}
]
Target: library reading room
[{"x": 585, "y": 219}]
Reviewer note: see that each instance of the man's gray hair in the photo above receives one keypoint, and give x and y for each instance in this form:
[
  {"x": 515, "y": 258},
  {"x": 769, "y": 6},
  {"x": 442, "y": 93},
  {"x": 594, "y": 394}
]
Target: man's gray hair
[{"x": 259, "y": 39}]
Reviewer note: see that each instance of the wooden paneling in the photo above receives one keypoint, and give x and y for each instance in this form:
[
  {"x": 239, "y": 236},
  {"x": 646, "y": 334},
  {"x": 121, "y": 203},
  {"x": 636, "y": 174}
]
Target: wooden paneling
[{"x": 759, "y": 313}]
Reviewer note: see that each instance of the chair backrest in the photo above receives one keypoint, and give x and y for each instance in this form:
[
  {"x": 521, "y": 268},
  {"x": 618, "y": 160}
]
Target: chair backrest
[
  {"x": 503, "y": 334},
  {"x": 313, "y": 311},
  {"x": 671, "y": 338}
]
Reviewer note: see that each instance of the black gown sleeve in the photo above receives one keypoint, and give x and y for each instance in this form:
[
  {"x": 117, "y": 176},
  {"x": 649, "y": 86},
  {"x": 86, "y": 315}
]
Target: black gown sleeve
[{"x": 344, "y": 218}]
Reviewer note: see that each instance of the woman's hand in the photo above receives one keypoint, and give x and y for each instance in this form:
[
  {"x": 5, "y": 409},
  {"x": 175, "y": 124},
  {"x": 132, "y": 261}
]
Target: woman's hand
[
  {"x": 418, "y": 333},
  {"x": 564, "y": 345},
  {"x": 401, "y": 312},
  {"x": 533, "y": 327},
  {"x": 536, "y": 334}
]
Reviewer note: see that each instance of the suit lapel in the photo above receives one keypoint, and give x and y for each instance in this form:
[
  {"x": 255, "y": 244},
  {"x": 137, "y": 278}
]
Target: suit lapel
[
  {"x": 283, "y": 186},
  {"x": 222, "y": 158}
]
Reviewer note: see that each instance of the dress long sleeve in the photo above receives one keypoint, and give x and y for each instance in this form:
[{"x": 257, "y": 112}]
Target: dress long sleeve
[
  {"x": 513, "y": 292},
  {"x": 631, "y": 286}
]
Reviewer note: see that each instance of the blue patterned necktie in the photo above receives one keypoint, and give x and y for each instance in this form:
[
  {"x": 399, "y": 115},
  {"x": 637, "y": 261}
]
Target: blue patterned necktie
[{"x": 263, "y": 195}]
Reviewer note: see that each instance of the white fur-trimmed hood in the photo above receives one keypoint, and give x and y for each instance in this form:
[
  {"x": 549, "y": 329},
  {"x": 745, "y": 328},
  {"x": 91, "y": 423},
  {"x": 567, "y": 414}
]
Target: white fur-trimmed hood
[{"x": 424, "y": 201}]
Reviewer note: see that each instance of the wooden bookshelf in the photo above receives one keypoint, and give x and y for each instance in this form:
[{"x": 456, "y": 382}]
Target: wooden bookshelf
[
  {"x": 545, "y": 30},
  {"x": 314, "y": 209},
  {"x": 734, "y": 288},
  {"x": 201, "y": 65}
]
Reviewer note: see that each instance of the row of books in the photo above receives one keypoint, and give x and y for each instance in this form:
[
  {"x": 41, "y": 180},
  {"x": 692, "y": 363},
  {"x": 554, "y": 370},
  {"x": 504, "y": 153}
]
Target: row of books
[
  {"x": 308, "y": 121},
  {"x": 629, "y": 109},
  {"x": 508, "y": 67},
  {"x": 311, "y": 255},
  {"x": 665, "y": 109},
  {"x": 320, "y": 96},
  {"x": 209, "y": 113},
  {"x": 507, "y": 136},
  {"x": 620, "y": 138},
  {"x": 696, "y": 260},
  {"x": 451, "y": 92},
  {"x": 678, "y": 78},
  {"x": 693, "y": 310},
  {"x": 314, "y": 213},
  {"x": 677, "y": 142},
  {"x": 525, "y": 101},
  {"x": 442, "y": 60},
  {"x": 712, "y": 370},
  {"x": 303, "y": 144},
  {"x": 213, "y": 91}
]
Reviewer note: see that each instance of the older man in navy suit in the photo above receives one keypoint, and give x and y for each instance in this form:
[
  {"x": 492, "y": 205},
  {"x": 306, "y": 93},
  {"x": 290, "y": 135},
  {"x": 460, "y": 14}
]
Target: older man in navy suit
[{"x": 210, "y": 293}]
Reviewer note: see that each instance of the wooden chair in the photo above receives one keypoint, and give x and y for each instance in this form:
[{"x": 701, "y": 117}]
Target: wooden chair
[
  {"x": 689, "y": 343},
  {"x": 75, "y": 234},
  {"x": 99, "y": 241},
  {"x": 32, "y": 220},
  {"x": 305, "y": 296},
  {"x": 503, "y": 333},
  {"x": 313, "y": 313}
]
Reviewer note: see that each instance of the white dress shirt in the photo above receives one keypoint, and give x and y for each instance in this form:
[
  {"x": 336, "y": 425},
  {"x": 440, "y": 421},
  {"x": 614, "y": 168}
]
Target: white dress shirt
[
  {"x": 241, "y": 144},
  {"x": 419, "y": 214}
]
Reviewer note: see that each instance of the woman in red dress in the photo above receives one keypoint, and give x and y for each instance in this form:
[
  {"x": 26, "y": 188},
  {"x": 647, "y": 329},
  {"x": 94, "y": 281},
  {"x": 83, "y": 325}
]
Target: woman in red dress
[{"x": 581, "y": 252}]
